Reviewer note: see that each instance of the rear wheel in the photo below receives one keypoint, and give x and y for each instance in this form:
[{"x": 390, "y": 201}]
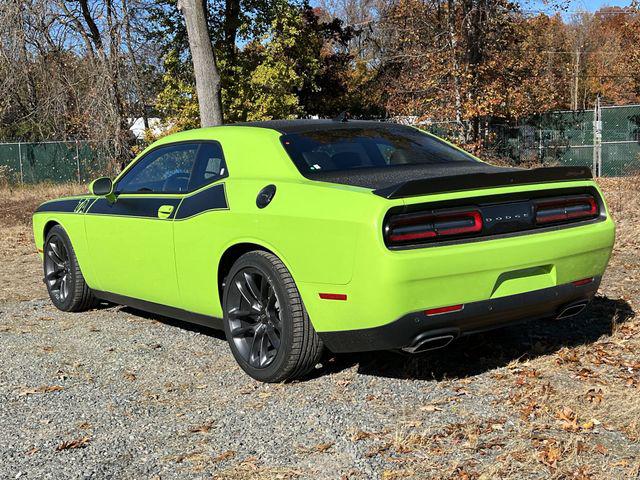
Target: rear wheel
[
  {"x": 266, "y": 324},
  {"x": 62, "y": 276}
]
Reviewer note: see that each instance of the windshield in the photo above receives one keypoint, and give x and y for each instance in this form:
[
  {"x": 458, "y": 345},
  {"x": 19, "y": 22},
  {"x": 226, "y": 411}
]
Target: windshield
[{"x": 382, "y": 146}]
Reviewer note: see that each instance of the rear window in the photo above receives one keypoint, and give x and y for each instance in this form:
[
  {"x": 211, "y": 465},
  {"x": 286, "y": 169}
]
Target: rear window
[{"x": 381, "y": 146}]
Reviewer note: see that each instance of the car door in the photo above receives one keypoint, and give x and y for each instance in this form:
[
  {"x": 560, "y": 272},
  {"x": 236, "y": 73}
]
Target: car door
[
  {"x": 201, "y": 230},
  {"x": 131, "y": 239}
]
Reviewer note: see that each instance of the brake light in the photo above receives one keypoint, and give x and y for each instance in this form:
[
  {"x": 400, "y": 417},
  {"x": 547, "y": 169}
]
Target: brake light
[
  {"x": 562, "y": 209},
  {"x": 425, "y": 226}
]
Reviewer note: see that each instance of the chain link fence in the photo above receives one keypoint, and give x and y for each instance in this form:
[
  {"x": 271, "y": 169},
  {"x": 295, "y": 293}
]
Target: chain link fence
[
  {"x": 606, "y": 139},
  {"x": 610, "y": 146},
  {"x": 55, "y": 162}
]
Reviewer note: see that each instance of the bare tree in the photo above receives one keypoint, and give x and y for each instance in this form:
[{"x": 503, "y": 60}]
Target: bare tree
[{"x": 204, "y": 62}]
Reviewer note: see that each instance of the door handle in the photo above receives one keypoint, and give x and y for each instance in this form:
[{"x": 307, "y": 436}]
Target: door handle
[{"x": 165, "y": 211}]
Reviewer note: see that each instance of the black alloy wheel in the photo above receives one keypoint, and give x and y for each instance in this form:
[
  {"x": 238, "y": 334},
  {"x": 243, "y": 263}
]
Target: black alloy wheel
[
  {"x": 265, "y": 322},
  {"x": 57, "y": 269},
  {"x": 253, "y": 313},
  {"x": 62, "y": 275}
]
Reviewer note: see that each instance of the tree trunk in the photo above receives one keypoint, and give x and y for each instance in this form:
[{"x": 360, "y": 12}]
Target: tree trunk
[
  {"x": 576, "y": 81},
  {"x": 231, "y": 25},
  {"x": 204, "y": 62}
]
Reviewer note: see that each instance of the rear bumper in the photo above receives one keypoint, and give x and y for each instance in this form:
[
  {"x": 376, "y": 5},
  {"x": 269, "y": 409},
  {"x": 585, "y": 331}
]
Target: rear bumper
[{"x": 474, "y": 317}]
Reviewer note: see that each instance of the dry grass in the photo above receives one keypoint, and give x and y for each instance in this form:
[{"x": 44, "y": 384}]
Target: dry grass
[
  {"x": 572, "y": 411},
  {"x": 18, "y": 203},
  {"x": 623, "y": 198}
]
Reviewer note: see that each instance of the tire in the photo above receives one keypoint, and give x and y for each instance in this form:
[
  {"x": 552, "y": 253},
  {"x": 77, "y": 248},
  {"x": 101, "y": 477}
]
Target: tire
[
  {"x": 265, "y": 322},
  {"x": 62, "y": 276}
]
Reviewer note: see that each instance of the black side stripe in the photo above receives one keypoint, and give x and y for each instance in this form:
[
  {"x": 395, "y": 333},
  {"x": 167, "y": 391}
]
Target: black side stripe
[
  {"x": 64, "y": 205},
  {"x": 213, "y": 198},
  {"x": 133, "y": 206}
]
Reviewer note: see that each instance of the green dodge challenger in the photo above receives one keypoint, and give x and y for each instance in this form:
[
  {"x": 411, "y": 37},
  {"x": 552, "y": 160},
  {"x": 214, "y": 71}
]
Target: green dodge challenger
[{"x": 304, "y": 235}]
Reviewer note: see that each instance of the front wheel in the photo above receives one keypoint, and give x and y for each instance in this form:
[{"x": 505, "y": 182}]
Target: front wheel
[
  {"x": 62, "y": 276},
  {"x": 265, "y": 322}
]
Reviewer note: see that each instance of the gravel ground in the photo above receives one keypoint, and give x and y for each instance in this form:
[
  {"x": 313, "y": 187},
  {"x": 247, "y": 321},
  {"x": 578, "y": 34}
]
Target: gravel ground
[
  {"x": 116, "y": 393},
  {"x": 144, "y": 397}
]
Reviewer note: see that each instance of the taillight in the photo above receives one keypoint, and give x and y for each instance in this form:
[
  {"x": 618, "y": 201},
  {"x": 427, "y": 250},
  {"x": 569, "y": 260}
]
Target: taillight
[
  {"x": 423, "y": 227},
  {"x": 562, "y": 209}
]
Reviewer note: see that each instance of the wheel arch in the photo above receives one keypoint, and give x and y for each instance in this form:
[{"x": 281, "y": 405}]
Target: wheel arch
[
  {"x": 49, "y": 224},
  {"x": 230, "y": 256},
  {"x": 238, "y": 248}
]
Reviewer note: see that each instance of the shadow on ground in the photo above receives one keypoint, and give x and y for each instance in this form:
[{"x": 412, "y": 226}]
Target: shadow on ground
[
  {"x": 482, "y": 352},
  {"x": 470, "y": 355},
  {"x": 192, "y": 327}
]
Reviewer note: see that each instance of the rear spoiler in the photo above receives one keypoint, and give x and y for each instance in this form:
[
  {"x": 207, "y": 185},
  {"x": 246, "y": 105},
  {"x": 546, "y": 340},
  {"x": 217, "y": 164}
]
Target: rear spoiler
[{"x": 472, "y": 181}]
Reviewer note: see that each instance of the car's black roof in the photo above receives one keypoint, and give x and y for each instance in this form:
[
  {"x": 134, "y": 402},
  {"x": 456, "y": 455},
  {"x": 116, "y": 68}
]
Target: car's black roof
[{"x": 298, "y": 126}]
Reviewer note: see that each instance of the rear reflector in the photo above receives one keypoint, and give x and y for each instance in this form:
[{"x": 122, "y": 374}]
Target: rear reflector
[
  {"x": 429, "y": 225},
  {"x": 440, "y": 310},
  {"x": 333, "y": 296},
  {"x": 584, "y": 281},
  {"x": 562, "y": 209}
]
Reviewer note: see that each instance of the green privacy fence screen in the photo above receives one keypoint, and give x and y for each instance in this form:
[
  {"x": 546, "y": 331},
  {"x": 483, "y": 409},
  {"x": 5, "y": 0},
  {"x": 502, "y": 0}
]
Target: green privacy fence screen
[
  {"x": 555, "y": 138},
  {"x": 56, "y": 162},
  {"x": 566, "y": 138},
  {"x": 570, "y": 138}
]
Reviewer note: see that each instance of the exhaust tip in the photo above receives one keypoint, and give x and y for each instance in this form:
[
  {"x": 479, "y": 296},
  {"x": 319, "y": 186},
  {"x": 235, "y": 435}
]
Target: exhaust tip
[
  {"x": 571, "y": 310},
  {"x": 426, "y": 344}
]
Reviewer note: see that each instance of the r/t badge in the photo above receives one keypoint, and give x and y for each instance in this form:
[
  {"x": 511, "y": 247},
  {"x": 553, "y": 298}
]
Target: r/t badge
[{"x": 82, "y": 206}]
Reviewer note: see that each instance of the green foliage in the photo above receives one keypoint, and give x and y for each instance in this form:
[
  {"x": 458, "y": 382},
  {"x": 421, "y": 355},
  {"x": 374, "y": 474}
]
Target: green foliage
[
  {"x": 293, "y": 68},
  {"x": 177, "y": 101},
  {"x": 268, "y": 66}
]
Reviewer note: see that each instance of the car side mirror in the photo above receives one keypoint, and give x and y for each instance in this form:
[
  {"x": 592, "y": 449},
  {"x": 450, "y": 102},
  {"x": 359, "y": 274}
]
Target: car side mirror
[{"x": 102, "y": 187}]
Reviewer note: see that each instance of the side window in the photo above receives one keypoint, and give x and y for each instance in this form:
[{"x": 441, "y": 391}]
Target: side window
[
  {"x": 164, "y": 170},
  {"x": 210, "y": 165}
]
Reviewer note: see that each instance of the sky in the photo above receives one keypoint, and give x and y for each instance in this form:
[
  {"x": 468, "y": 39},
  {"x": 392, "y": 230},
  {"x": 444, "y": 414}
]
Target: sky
[{"x": 573, "y": 5}]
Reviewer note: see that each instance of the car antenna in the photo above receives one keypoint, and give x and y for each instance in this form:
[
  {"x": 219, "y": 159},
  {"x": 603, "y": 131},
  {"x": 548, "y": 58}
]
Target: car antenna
[{"x": 342, "y": 117}]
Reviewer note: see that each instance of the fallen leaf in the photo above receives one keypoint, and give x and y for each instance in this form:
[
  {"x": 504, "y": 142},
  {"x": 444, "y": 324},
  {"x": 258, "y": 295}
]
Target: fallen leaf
[
  {"x": 601, "y": 449},
  {"x": 569, "y": 419},
  {"x": 360, "y": 435},
  {"x": 43, "y": 389},
  {"x": 377, "y": 450},
  {"x": 594, "y": 396},
  {"x": 224, "y": 456},
  {"x": 204, "y": 428},
  {"x": 76, "y": 443},
  {"x": 431, "y": 408},
  {"x": 550, "y": 456},
  {"x": 323, "y": 447},
  {"x": 587, "y": 425}
]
